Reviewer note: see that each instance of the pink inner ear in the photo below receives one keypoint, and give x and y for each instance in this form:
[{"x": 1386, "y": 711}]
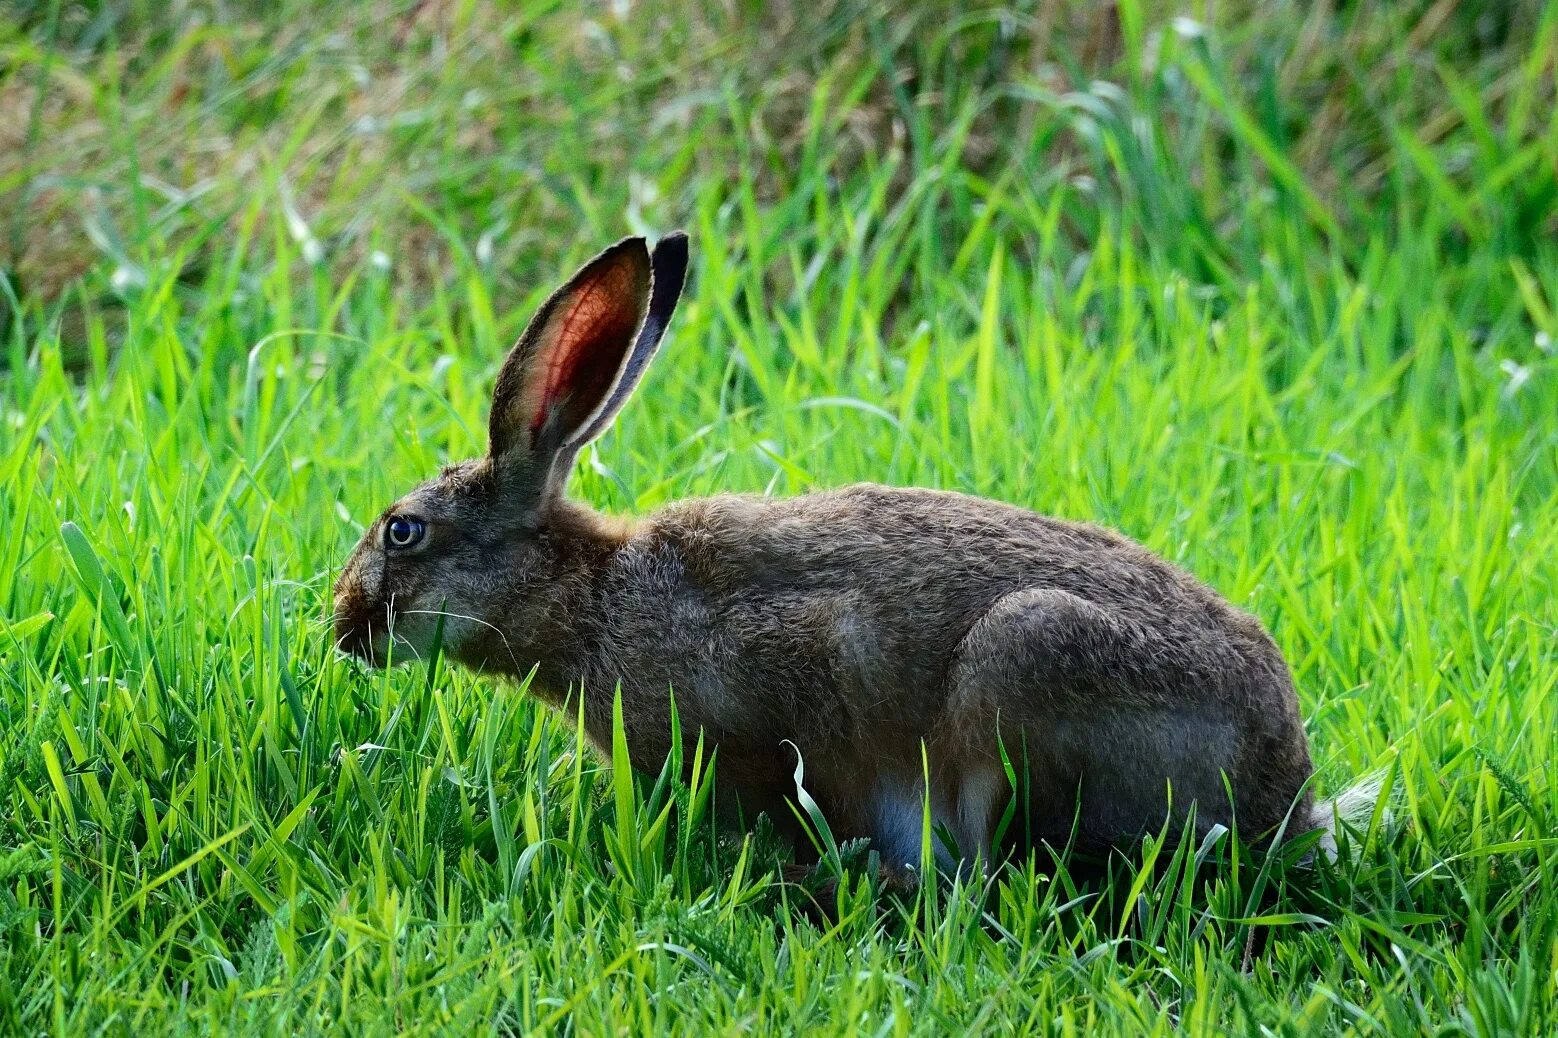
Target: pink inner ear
[{"x": 586, "y": 353}]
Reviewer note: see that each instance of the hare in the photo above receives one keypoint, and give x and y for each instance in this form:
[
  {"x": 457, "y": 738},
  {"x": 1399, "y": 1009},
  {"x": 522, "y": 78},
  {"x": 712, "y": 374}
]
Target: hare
[{"x": 906, "y": 644}]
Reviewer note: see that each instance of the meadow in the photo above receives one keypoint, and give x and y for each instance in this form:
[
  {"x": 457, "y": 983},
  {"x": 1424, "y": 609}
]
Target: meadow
[{"x": 1271, "y": 287}]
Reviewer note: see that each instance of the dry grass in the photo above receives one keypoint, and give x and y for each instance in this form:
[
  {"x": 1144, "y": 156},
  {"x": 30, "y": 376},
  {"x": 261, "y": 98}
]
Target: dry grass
[{"x": 148, "y": 129}]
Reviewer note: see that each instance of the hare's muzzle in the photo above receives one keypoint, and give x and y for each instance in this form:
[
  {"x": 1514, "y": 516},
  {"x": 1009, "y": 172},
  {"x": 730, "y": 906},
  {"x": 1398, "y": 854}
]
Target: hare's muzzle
[
  {"x": 352, "y": 636},
  {"x": 354, "y": 613}
]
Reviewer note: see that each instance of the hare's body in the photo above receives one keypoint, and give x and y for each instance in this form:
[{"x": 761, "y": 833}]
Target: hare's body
[
  {"x": 853, "y": 626},
  {"x": 906, "y": 646}
]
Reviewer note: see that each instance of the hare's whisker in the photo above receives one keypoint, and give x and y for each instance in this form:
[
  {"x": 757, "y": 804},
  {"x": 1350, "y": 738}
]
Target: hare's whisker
[{"x": 476, "y": 620}]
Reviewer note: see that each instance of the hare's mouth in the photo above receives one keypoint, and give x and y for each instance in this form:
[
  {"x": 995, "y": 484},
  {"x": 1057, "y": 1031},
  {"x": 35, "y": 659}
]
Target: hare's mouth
[
  {"x": 356, "y": 633},
  {"x": 359, "y": 639},
  {"x": 377, "y": 648},
  {"x": 378, "y": 640},
  {"x": 399, "y": 630}
]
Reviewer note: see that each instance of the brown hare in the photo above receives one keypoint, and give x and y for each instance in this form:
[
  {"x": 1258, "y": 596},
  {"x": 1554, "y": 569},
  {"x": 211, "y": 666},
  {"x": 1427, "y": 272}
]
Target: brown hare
[{"x": 856, "y": 627}]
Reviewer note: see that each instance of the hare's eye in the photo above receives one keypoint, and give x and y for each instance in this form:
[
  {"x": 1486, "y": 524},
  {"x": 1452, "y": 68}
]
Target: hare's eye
[{"x": 401, "y": 532}]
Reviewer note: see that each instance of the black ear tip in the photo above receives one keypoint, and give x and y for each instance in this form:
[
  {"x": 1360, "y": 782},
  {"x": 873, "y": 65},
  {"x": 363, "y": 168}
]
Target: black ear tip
[
  {"x": 669, "y": 264},
  {"x": 672, "y": 249}
]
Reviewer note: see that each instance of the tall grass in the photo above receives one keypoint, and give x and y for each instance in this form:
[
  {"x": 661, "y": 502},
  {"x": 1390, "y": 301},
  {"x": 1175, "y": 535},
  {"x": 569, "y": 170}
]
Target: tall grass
[{"x": 1270, "y": 288}]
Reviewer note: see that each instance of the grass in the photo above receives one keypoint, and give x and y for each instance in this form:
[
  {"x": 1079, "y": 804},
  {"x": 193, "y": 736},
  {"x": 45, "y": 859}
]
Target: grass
[{"x": 1272, "y": 288}]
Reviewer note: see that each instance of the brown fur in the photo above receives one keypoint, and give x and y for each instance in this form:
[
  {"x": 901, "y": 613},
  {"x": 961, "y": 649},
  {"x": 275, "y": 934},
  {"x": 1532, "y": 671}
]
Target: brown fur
[{"x": 858, "y": 627}]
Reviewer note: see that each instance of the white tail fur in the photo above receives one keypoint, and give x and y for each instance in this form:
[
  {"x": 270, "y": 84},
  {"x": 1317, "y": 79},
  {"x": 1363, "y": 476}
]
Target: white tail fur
[{"x": 1353, "y": 808}]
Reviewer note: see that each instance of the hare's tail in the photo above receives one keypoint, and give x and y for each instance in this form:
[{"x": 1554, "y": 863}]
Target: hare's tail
[{"x": 1353, "y": 808}]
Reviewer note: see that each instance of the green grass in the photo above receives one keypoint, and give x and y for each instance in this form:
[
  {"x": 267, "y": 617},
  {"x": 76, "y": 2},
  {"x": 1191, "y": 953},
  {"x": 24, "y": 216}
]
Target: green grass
[{"x": 1273, "y": 290}]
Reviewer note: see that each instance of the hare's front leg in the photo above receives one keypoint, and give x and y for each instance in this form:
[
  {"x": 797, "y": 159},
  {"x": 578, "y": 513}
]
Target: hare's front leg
[{"x": 1088, "y": 703}]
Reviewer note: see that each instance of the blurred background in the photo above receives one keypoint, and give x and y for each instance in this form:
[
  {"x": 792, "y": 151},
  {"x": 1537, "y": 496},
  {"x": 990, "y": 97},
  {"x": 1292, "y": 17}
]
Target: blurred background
[{"x": 144, "y": 141}]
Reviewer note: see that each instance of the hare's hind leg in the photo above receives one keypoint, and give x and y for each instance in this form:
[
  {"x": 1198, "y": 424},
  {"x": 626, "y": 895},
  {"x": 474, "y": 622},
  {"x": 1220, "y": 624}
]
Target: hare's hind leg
[{"x": 1091, "y": 704}]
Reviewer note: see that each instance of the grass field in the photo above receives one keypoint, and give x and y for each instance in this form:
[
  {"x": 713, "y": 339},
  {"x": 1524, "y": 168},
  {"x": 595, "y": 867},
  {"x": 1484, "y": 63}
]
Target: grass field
[{"x": 1271, "y": 287}]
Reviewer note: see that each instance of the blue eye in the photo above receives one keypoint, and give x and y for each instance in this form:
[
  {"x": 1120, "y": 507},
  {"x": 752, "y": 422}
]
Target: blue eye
[{"x": 401, "y": 532}]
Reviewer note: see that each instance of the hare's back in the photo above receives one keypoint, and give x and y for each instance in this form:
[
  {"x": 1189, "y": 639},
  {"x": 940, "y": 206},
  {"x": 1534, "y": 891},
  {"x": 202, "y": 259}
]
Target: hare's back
[{"x": 925, "y": 549}]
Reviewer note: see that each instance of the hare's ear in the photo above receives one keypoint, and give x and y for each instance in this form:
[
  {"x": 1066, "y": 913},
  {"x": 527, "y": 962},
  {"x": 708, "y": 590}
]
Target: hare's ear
[
  {"x": 577, "y": 362},
  {"x": 565, "y": 365}
]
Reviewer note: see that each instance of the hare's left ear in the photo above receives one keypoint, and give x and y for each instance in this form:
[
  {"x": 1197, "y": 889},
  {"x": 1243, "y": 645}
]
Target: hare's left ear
[{"x": 579, "y": 359}]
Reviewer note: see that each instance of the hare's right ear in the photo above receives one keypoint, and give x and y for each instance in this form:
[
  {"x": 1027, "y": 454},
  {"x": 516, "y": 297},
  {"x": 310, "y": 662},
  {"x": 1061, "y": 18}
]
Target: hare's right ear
[{"x": 576, "y": 362}]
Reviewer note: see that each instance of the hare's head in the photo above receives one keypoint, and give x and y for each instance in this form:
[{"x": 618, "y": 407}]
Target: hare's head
[{"x": 487, "y": 542}]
